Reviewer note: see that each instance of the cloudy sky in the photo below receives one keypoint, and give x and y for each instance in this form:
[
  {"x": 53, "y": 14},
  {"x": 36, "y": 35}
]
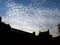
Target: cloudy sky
[{"x": 31, "y": 15}]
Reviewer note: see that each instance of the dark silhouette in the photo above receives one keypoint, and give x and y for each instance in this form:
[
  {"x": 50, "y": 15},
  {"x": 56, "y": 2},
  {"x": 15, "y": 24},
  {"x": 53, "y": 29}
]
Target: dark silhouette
[
  {"x": 0, "y": 19},
  {"x": 58, "y": 28},
  {"x": 10, "y": 34}
]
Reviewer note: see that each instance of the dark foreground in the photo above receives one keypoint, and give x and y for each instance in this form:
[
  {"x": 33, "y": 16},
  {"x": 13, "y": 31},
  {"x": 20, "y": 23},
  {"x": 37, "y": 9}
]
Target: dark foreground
[{"x": 11, "y": 35}]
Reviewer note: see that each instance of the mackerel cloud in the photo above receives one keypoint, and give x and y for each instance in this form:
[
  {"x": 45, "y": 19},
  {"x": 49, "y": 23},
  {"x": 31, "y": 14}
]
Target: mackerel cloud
[{"x": 28, "y": 18}]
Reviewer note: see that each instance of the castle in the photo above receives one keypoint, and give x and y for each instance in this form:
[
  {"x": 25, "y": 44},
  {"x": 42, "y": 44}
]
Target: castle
[
  {"x": 10, "y": 34},
  {"x": 21, "y": 35}
]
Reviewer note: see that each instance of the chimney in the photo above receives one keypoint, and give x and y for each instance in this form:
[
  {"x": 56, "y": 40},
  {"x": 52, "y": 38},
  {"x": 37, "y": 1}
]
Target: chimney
[
  {"x": 33, "y": 33},
  {"x": 39, "y": 32}
]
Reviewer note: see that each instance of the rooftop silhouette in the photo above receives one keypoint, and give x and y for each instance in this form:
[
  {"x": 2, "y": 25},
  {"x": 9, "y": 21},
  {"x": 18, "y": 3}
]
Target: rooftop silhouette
[{"x": 7, "y": 33}]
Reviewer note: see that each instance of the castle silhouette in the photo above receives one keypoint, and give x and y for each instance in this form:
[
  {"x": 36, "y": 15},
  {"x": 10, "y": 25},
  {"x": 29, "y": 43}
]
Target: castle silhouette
[{"x": 10, "y": 34}]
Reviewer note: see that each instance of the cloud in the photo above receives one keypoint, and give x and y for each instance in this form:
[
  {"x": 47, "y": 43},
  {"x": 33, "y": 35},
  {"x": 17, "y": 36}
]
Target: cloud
[
  {"x": 31, "y": 19},
  {"x": 52, "y": 4}
]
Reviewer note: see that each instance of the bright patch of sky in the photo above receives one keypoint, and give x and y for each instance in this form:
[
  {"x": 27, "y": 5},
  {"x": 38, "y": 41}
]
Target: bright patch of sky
[{"x": 31, "y": 15}]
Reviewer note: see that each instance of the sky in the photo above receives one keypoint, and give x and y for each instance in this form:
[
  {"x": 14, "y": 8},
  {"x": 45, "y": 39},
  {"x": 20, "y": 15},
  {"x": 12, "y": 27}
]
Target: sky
[{"x": 31, "y": 15}]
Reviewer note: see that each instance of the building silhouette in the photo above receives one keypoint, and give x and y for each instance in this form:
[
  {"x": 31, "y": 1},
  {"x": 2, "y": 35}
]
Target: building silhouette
[
  {"x": 10, "y": 34},
  {"x": 59, "y": 28},
  {"x": 0, "y": 19}
]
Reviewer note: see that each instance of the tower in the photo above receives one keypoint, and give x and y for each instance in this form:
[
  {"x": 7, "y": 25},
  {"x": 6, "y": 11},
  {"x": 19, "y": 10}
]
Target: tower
[
  {"x": 59, "y": 29},
  {"x": 0, "y": 19}
]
